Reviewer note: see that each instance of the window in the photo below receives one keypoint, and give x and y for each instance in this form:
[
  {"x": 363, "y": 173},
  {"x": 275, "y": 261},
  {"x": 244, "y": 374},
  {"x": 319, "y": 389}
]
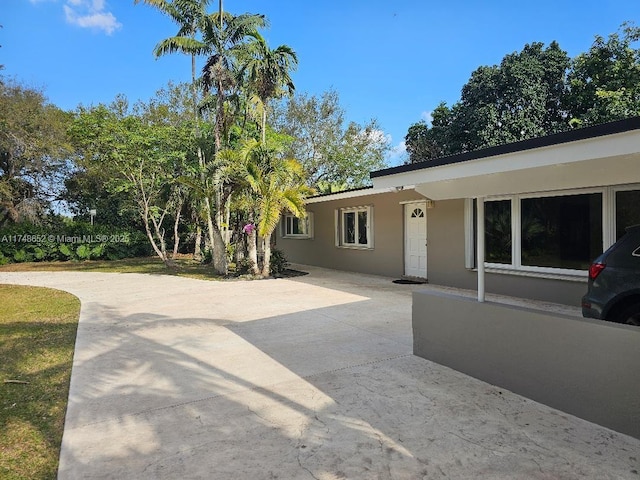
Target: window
[
  {"x": 417, "y": 213},
  {"x": 627, "y": 210},
  {"x": 353, "y": 227},
  {"x": 561, "y": 232},
  {"x": 294, "y": 227},
  {"x": 556, "y": 232},
  {"x": 497, "y": 224}
]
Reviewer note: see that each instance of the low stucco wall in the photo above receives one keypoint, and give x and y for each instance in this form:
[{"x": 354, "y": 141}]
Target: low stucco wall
[{"x": 584, "y": 367}]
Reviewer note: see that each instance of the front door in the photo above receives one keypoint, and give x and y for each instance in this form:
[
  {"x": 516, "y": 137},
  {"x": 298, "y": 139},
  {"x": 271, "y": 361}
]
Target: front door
[{"x": 415, "y": 240}]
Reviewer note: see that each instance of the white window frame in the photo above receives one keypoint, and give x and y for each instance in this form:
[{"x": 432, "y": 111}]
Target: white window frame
[
  {"x": 306, "y": 221},
  {"x": 612, "y": 199},
  {"x": 608, "y": 230},
  {"x": 340, "y": 230}
]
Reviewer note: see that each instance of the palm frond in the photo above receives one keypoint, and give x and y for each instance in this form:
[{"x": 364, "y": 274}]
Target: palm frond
[
  {"x": 180, "y": 44},
  {"x": 270, "y": 209}
]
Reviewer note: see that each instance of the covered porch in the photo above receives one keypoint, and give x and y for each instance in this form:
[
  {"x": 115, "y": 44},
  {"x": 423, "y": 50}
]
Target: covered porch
[{"x": 577, "y": 365}]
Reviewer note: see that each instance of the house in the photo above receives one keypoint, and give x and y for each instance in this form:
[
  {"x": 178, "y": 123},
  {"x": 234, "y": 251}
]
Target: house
[
  {"x": 523, "y": 219},
  {"x": 550, "y": 205}
]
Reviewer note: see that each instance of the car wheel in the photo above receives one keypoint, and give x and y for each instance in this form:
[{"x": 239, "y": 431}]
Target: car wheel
[{"x": 630, "y": 315}]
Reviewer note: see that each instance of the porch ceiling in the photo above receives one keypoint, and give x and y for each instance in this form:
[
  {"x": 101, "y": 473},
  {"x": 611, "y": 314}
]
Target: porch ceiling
[{"x": 608, "y": 160}]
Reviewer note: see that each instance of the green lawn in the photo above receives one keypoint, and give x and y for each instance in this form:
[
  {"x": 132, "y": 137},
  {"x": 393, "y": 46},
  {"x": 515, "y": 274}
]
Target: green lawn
[
  {"x": 185, "y": 267},
  {"x": 37, "y": 337}
]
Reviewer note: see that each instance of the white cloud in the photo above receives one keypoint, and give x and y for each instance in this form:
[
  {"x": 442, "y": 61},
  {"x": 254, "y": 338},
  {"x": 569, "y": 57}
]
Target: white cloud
[
  {"x": 427, "y": 117},
  {"x": 399, "y": 149},
  {"x": 91, "y": 14},
  {"x": 374, "y": 135},
  {"x": 398, "y": 154}
]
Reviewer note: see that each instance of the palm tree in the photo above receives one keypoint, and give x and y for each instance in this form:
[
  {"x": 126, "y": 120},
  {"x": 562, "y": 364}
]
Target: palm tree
[
  {"x": 278, "y": 184},
  {"x": 225, "y": 36},
  {"x": 189, "y": 15},
  {"x": 192, "y": 18},
  {"x": 269, "y": 72}
]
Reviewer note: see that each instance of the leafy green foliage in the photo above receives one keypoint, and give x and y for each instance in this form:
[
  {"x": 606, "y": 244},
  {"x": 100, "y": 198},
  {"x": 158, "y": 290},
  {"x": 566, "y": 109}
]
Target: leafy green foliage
[
  {"x": 328, "y": 150},
  {"x": 142, "y": 156},
  {"x": 34, "y": 149},
  {"x": 604, "y": 83},
  {"x": 269, "y": 72},
  {"x": 71, "y": 241},
  {"x": 535, "y": 92},
  {"x": 278, "y": 261}
]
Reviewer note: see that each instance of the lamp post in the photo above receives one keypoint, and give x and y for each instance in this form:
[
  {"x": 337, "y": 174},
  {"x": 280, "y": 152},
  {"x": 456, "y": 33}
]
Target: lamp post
[{"x": 92, "y": 212}]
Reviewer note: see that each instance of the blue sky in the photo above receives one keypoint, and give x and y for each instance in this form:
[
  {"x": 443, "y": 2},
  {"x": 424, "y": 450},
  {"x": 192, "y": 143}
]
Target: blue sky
[{"x": 389, "y": 60}]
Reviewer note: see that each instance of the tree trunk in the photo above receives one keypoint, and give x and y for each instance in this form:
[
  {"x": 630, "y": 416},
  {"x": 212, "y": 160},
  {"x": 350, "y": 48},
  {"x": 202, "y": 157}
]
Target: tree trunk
[
  {"x": 197, "y": 251},
  {"x": 219, "y": 124},
  {"x": 220, "y": 264},
  {"x": 176, "y": 236},
  {"x": 266, "y": 265},
  {"x": 160, "y": 251},
  {"x": 264, "y": 123},
  {"x": 252, "y": 247},
  {"x": 218, "y": 248}
]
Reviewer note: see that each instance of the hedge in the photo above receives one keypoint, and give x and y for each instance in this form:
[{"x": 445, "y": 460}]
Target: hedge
[{"x": 72, "y": 241}]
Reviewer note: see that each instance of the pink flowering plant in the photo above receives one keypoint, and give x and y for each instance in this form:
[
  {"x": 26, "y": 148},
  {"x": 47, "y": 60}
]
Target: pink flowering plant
[{"x": 249, "y": 228}]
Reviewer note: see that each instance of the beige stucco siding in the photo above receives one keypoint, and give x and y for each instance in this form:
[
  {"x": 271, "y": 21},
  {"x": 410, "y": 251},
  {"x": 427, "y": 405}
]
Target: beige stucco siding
[
  {"x": 445, "y": 249},
  {"x": 385, "y": 258},
  {"x": 445, "y": 245}
]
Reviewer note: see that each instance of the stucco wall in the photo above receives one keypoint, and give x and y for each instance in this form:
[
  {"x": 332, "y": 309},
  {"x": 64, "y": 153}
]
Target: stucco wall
[
  {"x": 445, "y": 245},
  {"x": 445, "y": 249},
  {"x": 387, "y": 256},
  {"x": 581, "y": 366},
  {"x": 446, "y": 263}
]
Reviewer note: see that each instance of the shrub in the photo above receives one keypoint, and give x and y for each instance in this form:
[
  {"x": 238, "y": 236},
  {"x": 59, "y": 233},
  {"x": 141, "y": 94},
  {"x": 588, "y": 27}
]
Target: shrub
[
  {"x": 69, "y": 241},
  {"x": 278, "y": 262},
  {"x": 243, "y": 266}
]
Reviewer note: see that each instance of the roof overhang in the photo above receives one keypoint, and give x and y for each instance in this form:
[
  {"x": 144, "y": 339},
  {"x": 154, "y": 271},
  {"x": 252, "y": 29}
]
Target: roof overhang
[
  {"x": 603, "y": 160},
  {"x": 359, "y": 192}
]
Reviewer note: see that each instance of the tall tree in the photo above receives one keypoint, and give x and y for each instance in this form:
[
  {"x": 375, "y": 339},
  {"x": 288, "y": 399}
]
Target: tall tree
[
  {"x": 143, "y": 154},
  {"x": 34, "y": 152},
  {"x": 226, "y": 37},
  {"x": 189, "y": 15},
  {"x": 536, "y": 92},
  {"x": 269, "y": 73},
  {"x": 604, "y": 82},
  {"x": 424, "y": 142},
  {"x": 329, "y": 150},
  {"x": 193, "y": 21},
  {"x": 521, "y": 98}
]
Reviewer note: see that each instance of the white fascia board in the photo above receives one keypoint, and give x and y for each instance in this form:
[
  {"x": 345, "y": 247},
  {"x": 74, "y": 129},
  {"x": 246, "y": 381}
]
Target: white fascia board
[
  {"x": 585, "y": 174},
  {"x": 357, "y": 193},
  {"x": 598, "y": 148}
]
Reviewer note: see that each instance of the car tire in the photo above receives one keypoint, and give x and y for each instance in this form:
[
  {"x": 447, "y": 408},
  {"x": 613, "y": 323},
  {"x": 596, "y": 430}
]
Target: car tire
[{"x": 630, "y": 315}]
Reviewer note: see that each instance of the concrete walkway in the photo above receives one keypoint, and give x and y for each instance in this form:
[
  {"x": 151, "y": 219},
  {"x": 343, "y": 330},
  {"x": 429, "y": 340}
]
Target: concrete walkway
[{"x": 304, "y": 378}]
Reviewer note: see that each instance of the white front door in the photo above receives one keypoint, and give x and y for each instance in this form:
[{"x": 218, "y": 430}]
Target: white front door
[{"x": 415, "y": 240}]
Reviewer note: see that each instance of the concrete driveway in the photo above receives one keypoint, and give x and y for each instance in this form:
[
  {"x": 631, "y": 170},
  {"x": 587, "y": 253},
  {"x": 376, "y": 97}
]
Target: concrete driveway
[{"x": 303, "y": 378}]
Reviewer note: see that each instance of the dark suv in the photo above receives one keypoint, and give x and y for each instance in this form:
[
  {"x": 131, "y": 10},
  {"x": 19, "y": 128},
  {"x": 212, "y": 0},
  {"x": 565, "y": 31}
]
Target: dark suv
[{"x": 614, "y": 282}]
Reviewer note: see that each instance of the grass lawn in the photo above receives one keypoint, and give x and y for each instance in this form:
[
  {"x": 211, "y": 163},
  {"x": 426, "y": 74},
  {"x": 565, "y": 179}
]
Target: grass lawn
[
  {"x": 185, "y": 267},
  {"x": 37, "y": 337}
]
